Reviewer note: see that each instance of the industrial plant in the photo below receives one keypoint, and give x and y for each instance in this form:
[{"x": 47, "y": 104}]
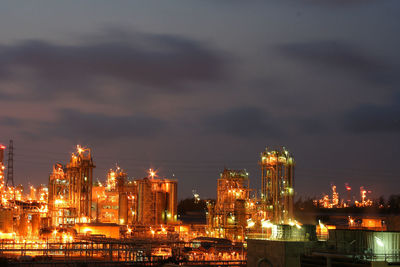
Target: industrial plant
[{"x": 135, "y": 221}]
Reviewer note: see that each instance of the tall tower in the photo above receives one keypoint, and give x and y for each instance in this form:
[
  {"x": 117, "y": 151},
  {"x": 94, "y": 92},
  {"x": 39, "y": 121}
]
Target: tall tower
[
  {"x": 10, "y": 164},
  {"x": 2, "y": 167},
  {"x": 79, "y": 174},
  {"x": 60, "y": 209},
  {"x": 277, "y": 177},
  {"x": 228, "y": 216}
]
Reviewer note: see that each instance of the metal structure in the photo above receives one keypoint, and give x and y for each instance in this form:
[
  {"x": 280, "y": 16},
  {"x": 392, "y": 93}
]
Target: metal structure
[
  {"x": 112, "y": 201},
  {"x": 10, "y": 164},
  {"x": 147, "y": 201},
  {"x": 101, "y": 251},
  {"x": 157, "y": 201},
  {"x": 2, "y": 167},
  {"x": 60, "y": 209},
  {"x": 70, "y": 189},
  {"x": 79, "y": 174},
  {"x": 228, "y": 216},
  {"x": 277, "y": 176}
]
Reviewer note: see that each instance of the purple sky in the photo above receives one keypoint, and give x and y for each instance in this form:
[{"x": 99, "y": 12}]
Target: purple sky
[{"x": 191, "y": 87}]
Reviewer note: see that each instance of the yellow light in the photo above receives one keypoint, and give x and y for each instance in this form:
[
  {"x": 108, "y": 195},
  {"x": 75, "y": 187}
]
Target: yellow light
[{"x": 86, "y": 230}]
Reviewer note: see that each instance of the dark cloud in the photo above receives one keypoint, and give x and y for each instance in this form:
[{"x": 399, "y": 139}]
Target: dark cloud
[
  {"x": 309, "y": 125},
  {"x": 148, "y": 60},
  {"x": 373, "y": 119},
  {"x": 76, "y": 125},
  {"x": 241, "y": 122},
  {"x": 338, "y": 3},
  {"x": 343, "y": 59},
  {"x": 248, "y": 122},
  {"x": 8, "y": 121}
]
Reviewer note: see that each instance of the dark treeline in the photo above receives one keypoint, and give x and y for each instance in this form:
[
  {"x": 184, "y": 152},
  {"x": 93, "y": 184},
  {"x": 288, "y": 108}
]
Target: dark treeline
[{"x": 191, "y": 205}]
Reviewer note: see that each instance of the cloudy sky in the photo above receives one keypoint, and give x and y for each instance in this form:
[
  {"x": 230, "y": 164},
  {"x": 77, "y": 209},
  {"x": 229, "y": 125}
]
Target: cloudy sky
[{"x": 191, "y": 87}]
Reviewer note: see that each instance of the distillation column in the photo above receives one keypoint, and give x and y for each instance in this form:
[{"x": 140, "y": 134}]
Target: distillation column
[{"x": 277, "y": 174}]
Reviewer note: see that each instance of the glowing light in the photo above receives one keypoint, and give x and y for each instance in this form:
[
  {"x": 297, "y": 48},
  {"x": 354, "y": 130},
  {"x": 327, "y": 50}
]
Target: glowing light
[
  {"x": 379, "y": 241},
  {"x": 152, "y": 173},
  {"x": 266, "y": 224},
  {"x": 250, "y": 223},
  {"x": 80, "y": 149},
  {"x": 86, "y": 230}
]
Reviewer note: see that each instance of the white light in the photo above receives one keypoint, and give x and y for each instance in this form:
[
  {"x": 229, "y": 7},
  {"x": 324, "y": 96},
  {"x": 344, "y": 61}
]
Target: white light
[
  {"x": 266, "y": 224},
  {"x": 379, "y": 241},
  {"x": 250, "y": 224}
]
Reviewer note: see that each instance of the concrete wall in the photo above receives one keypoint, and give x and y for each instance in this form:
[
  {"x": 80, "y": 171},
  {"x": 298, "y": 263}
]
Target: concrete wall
[{"x": 279, "y": 253}]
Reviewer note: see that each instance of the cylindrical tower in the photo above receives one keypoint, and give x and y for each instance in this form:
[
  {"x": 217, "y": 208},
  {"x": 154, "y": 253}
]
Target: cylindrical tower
[
  {"x": 277, "y": 181},
  {"x": 2, "y": 167},
  {"x": 123, "y": 208}
]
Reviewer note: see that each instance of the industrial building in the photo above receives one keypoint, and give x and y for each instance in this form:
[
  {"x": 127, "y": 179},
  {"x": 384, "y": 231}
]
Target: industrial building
[
  {"x": 277, "y": 185},
  {"x": 70, "y": 189},
  {"x": 235, "y": 215},
  {"x": 110, "y": 201},
  {"x": 228, "y": 216},
  {"x": 147, "y": 201},
  {"x": 133, "y": 220},
  {"x": 157, "y": 201},
  {"x": 347, "y": 248},
  {"x": 2, "y": 167}
]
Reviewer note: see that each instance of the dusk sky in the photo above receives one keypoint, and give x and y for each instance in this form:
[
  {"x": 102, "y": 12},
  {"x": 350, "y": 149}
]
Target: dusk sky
[{"x": 190, "y": 87}]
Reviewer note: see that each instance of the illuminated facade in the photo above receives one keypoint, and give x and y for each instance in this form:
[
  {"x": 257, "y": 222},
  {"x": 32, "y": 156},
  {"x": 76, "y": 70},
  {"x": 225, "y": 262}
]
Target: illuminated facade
[
  {"x": 2, "y": 167},
  {"x": 148, "y": 201},
  {"x": 157, "y": 201},
  {"x": 228, "y": 216},
  {"x": 277, "y": 192},
  {"x": 115, "y": 202},
  {"x": 79, "y": 173},
  {"x": 61, "y": 211},
  {"x": 70, "y": 189}
]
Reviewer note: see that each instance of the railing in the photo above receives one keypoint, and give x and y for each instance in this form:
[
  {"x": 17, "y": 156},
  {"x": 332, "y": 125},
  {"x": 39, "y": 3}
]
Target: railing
[{"x": 114, "y": 263}]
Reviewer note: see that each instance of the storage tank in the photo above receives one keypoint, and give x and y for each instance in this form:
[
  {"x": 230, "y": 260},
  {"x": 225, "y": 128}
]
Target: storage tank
[
  {"x": 35, "y": 223},
  {"x": 6, "y": 220},
  {"x": 161, "y": 207},
  {"x": 23, "y": 225},
  {"x": 145, "y": 207},
  {"x": 172, "y": 201},
  {"x": 123, "y": 208}
]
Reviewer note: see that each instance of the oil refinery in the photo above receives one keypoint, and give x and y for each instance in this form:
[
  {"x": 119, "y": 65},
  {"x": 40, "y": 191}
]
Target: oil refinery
[{"x": 135, "y": 221}]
